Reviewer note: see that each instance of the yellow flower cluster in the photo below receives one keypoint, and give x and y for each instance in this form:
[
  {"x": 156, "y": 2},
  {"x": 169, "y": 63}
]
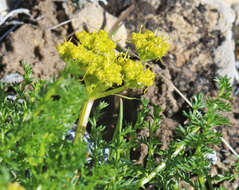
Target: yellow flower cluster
[
  {"x": 102, "y": 68},
  {"x": 135, "y": 73},
  {"x": 149, "y": 46},
  {"x": 15, "y": 186},
  {"x": 98, "y": 42}
]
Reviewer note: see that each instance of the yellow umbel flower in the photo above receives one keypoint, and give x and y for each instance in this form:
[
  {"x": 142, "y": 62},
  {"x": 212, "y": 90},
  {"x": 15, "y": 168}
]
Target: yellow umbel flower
[
  {"x": 99, "y": 42},
  {"x": 135, "y": 74},
  {"x": 105, "y": 72},
  {"x": 101, "y": 68},
  {"x": 15, "y": 186},
  {"x": 145, "y": 78},
  {"x": 149, "y": 46},
  {"x": 65, "y": 48}
]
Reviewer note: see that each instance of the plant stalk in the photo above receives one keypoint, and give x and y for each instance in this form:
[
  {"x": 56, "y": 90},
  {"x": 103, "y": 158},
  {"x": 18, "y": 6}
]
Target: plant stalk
[
  {"x": 85, "y": 112},
  {"x": 83, "y": 120},
  {"x": 202, "y": 182},
  {"x": 117, "y": 137},
  {"x": 161, "y": 166}
]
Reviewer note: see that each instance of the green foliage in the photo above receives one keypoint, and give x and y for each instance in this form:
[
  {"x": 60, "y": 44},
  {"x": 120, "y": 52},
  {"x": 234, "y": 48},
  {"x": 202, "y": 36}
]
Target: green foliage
[
  {"x": 35, "y": 152},
  {"x": 32, "y": 143}
]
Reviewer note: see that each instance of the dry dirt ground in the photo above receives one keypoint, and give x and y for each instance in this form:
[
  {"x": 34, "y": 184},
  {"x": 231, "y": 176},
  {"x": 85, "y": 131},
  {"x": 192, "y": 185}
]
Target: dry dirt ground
[{"x": 35, "y": 44}]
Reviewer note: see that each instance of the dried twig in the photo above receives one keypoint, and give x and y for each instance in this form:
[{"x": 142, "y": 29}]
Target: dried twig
[{"x": 230, "y": 148}]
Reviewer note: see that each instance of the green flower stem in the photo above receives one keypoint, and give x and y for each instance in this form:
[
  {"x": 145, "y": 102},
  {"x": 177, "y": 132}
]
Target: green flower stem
[
  {"x": 117, "y": 137},
  {"x": 202, "y": 182},
  {"x": 146, "y": 179},
  {"x": 83, "y": 120},
  {"x": 161, "y": 167},
  {"x": 85, "y": 113}
]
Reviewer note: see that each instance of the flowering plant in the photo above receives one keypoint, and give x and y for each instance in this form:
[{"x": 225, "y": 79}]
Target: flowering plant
[
  {"x": 107, "y": 72},
  {"x": 37, "y": 152}
]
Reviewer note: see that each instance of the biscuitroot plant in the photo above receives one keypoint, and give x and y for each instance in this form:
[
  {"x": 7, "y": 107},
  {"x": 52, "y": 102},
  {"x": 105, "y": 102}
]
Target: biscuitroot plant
[
  {"x": 36, "y": 148},
  {"x": 104, "y": 71}
]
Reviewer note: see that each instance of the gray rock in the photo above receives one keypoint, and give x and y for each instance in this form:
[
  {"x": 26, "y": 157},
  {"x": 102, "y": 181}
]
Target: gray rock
[
  {"x": 212, "y": 157},
  {"x": 70, "y": 135},
  {"x": 94, "y": 16},
  {"x": 236, "y": 9},
  {"x": 14, "y": 97},
  {"x": 12, "y": 78},
  {"x": 224, "y": 54}
]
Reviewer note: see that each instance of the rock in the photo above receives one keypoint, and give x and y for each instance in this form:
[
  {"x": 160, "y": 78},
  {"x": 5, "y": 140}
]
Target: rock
[
  {"x": 236, "y": 9},
  {"x": 212, "y": 157},
  {"x": 14, "y": 97},
  {"x": 231, "y": 2},
  {"x": 3, "y": 8},
  {"x": 12, "y": 78},
  {"x": 154, "y": 3},
  {"x": 224, "y": 53},
  {"x": 95, "y": 18},
  {"x": 201, "y": 48}
]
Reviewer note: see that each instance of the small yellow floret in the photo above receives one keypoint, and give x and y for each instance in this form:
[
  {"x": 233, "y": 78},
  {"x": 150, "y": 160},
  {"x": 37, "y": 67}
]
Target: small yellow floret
[
  {"x": 15, "y": 186},
  {"x": 149, "y": 46},
  {"x": 146, "y": 78},
  {"x": 132, "y": 69},
  {"x": 99, "y": 42},
  {"x": 65, "y": 48},
  {"x": 135, "y": 72}
]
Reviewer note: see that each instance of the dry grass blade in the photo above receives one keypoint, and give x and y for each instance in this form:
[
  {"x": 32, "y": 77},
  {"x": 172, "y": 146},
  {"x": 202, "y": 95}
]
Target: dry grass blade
[
  {"x": 121, "y": 18},
  {"x": 60, "y": 24}
]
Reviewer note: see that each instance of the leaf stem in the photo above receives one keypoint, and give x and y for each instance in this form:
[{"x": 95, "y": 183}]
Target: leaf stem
[{"x": 109, "y": 92}]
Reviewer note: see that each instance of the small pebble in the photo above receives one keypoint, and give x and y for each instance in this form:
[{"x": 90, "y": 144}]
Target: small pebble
[
  {"x": 14, "y": 97},
  {"x": 212, "y": 157},
  {"x": 70, "y": 134},
  {"x": 227, "y": 162},
  {"x": 12, "y": 78}
]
